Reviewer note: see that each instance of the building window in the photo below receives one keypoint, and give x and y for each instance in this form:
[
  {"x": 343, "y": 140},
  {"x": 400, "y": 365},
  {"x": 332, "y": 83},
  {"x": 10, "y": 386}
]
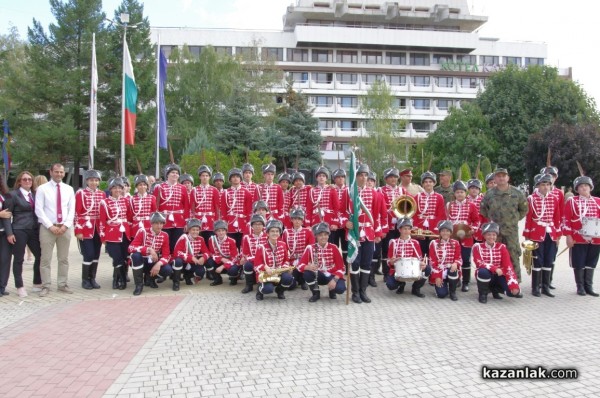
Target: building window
[
  {"x": 322, "y": 100},
  {"x": 370, "y": 78},
  {"x": 512, "y": 61},
  {"x": 421, "y": 81},
  {"x": 421, "y": 127},
  {"x": 489, "y": 60},
  {"x": 223, "y": 50},
  {"x": 299, "y": 77},
  {"x": 346, "y": 57},
  {"x": 348, "y": 102},
  {"x": 392, "y": 58},
  {"x": 322, "y": 56},
  {"x": 444, "y": 81},
  {"x": 347, "y": 78},
  {"x": 468, "y": 82},
  {"x": 297, "y": 55},
  {"x": 195, "y": 51},
  {"x": 272, "y": 53},
  {"x": 325, "y": 124},
  {"x": 349, "y": 125},
  {"x": 322, "y": 77},
  {"x": 444, "y": 104},
  {"x": 421, "y": 59},
  {"x": 371, "y": 57},
  {"x": 422, "y": 103},
  {"x": 396, "y": 80},
  {"x": 442, "y": 58},
  {"x": 247, "y": 52},
  {"x": 399, "y": 103},
  {"x": 467, "y": 59},
  {"x": 167, "y": 50},
  {"x": 534, "y": 61}
]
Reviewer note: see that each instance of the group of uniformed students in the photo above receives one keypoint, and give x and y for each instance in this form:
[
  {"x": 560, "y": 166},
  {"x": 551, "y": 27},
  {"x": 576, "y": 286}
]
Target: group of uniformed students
[{"x": 285, "y": 233}]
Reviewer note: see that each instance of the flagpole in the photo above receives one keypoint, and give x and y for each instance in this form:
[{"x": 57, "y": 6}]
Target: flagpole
[
  {"x": 157, "y": 106},
  {"x": 93, "y": 107},
  {"x": 123, "y": 101}
]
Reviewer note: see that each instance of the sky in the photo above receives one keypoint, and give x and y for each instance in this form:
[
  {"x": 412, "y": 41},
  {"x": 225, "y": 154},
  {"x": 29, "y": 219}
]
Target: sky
[{"x": 566, "y": 27}]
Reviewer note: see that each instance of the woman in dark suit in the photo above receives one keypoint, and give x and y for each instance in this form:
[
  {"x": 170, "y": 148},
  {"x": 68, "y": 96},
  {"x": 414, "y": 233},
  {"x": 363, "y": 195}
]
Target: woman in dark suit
[
  {"x": 24, "y": 229},
  {"x": 5, "y": 248}
]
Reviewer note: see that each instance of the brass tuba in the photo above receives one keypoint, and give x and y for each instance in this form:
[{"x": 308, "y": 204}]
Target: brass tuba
[
  {"x": 275, "y": 276},
  {"x": 529, "y": 246},
  {"x": 404, "y": 206}
]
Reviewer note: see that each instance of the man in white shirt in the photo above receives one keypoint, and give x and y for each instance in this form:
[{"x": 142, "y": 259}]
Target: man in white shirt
[{"x": 55, "y": 209}]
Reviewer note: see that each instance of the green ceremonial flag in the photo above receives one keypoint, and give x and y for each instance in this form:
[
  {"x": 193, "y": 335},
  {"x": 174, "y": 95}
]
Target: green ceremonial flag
[{"x": 353, "y": 234}]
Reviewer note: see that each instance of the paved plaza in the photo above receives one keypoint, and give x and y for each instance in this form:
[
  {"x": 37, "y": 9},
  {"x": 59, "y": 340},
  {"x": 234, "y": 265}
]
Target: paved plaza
[{"x": 213, "y": 341}]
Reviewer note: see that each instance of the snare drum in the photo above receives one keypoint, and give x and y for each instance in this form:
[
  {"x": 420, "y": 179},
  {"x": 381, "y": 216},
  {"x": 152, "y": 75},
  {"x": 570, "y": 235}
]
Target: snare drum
[
  {"x": 590, "y": 227},
  {"x": 408, "y": 269}
]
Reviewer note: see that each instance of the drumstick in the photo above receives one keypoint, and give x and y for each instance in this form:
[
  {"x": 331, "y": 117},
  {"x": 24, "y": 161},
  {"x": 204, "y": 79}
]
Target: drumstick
[{"x": 563, "y": 250}]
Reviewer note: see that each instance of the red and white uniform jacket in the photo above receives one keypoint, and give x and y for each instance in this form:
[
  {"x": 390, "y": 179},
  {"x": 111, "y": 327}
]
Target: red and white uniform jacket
[
  {"x": 296, "y": 241},
  {"x": 285, "y": 213},
  {"x": 403, "y": 248},
  {"x": 187, "y": 248},
  {"x": 561, "y": 199},
  {"x": 205, "y": 205},
  {"x": 544, "y": 216},
  {"x": 141, "y": 207},
  {"x": 87, "y": 211},
  {"x": 223, "y": 252},
  {"x": 146, "y": 239},
  {"x": 389, "y": 194},
  {"x": 575, "y": 210},
  {"x": 482, "y": 220},
  {"x": 343, "y": 203},
  {"x": 173, "y": 202},
  {"x": 250, "y": 244},
  {"x": 493, "y": 258},
  {"x": 272, "y": 194},
  {"x": 325, "y": 206},
  {"x": 272, "y": 256},
  {"x": 442, "y": 254},
  {"x": 299, "y": 198},
  {"x": 251, "y": 187},
  {"x": 328, "y": 259},
  {"x": 383, "y": 213},
  {"x": 368, "y": 223},
  {"x": 430, "y": 211},
  {"x": 114, "y": 219},
  {"x": 236, "y": 208},
  {"x": 464, "y": 212}
]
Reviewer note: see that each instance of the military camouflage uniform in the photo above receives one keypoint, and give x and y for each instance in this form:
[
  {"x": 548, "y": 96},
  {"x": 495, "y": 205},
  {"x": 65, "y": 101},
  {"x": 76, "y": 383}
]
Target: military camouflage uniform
[
  {"x": 506, "y": 208},
  {"x": 447, "y": 193}
]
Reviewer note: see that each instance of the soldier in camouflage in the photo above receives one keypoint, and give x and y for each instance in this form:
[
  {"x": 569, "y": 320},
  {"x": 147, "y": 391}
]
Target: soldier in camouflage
[
  {"x": 506, "y": 205},
  {"x": 445, "y": 187}
]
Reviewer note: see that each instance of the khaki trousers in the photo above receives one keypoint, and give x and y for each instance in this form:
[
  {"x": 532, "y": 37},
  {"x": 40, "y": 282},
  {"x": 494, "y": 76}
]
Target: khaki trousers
[{"x": 47, "y": 242}]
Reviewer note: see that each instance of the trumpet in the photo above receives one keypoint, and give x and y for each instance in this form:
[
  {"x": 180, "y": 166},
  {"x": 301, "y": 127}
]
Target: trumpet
[
  {"x": 423, "y": 233},
  {"x": 529, "y": 246},
  {"x": 403, "y": 206},
  {"x": 275, "y": 276}
]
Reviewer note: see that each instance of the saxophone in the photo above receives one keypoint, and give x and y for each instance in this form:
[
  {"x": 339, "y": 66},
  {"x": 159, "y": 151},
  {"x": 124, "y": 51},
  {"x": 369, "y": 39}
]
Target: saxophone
[{"x": 275, "y": 276}]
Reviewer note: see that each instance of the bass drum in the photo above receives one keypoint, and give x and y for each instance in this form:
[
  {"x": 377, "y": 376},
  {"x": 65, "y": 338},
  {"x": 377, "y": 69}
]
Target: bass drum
[{"x": 407, "y": 269}]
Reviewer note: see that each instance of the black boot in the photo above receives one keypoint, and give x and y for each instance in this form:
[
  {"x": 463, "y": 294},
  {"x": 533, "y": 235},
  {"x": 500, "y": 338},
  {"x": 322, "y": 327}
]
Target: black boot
[
  {"x": 233, "y": 280},
  {"x": 535, "y": 283},
  {"x": 138, "y": 279},
  {"x": 579, "y": 275},
  {"x": 152, "y": 280},
  {"x": 551, "y": 278},
  {"x": 332, "y": 294},
  {"x": 187, "y": 275},
  {"x": 588, "y": 282},
  {"x": 354, "y": 282},
  {"x": 546, "y": 283},
  {"x": 279, "y": 290},
  {"x": 466, "y": 276},
  {"x": 484, "y": 289},
  {"x": 496, "y": 293},
  {"x": 176, "y": 276},
  {"x": 93, "y": 272},
  {"x": 123, "y": 274},
  {"x": 249, "y": 284},
  {"x": 259, "y": 295},
  {"x": 372, "y": 278},
  {"x": 364, "y": 283},
  {"x": 452, "y": 286},
  {"x": 316, "y": 294},
  {"x": 217, "y": 279},
  {"x": 401, "y": 287},
  {"x": 416, "y": 288},
  {"x": 85, "y": 277},
  {"x": 116, "y": 278}
]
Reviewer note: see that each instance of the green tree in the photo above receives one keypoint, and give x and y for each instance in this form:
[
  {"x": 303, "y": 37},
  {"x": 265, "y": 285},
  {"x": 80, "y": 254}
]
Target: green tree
[
  {"x": 519, "y": 102},
  {"x": 460, "y": 137},
  {"x": 382, "y": 146},
  {"x": 239, "y": 128}
]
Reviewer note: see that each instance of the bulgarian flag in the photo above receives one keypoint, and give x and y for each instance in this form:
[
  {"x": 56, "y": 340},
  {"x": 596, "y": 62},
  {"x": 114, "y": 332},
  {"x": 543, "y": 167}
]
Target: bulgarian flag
[{"x": 129, "y": 98}]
